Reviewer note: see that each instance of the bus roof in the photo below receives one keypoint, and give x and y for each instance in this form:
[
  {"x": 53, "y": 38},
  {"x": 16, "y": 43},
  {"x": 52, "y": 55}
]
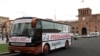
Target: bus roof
[{"x": 40, "y": 19}]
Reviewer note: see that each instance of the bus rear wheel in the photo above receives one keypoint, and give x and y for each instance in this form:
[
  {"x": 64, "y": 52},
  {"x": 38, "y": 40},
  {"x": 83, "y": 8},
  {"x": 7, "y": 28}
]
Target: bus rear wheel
[
  {"x": 46, "y": 49},
  {"x": 66, "y": 44}
]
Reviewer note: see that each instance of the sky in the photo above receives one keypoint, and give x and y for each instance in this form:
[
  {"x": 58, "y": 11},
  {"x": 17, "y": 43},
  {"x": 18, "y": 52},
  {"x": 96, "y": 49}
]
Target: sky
[{"x": 63, "y": 9}]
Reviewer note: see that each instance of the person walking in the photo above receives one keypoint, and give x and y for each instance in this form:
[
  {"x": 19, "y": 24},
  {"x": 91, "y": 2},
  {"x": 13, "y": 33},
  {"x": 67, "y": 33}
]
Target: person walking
[{"x": 7, "y": 39}]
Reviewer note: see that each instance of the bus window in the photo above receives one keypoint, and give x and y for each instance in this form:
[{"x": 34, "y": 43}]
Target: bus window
[
  {"x": 65, "y": 28},
  {"x": 47, "y": 27},
  {"x": 58, "y": 27}
]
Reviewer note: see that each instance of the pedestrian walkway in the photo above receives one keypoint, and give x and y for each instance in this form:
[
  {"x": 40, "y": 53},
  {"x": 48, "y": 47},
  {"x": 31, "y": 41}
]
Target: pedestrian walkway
[{"x": 2, "y": 41}]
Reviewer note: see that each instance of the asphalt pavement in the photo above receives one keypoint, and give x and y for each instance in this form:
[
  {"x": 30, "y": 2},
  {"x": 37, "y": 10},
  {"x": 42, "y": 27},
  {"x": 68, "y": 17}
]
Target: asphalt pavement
[{"x": 80, "y": 47}]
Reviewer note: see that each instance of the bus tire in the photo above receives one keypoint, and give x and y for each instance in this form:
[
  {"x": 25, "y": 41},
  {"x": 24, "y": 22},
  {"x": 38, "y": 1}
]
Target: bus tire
[
  {"x": 66, "y": 44},
  {"x": 11, "y": 51},
  {"x": 46, "y": 49}
]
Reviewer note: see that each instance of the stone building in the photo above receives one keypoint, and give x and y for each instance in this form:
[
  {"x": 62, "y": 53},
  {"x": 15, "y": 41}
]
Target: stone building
[{"x": 87, "y": 22}]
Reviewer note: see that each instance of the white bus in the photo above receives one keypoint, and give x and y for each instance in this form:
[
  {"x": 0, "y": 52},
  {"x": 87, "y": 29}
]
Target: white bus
[{"x": 32, "y": 35}]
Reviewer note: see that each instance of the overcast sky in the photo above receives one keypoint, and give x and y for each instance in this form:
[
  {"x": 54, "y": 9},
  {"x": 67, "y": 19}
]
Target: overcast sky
[{"x": 64, "y": 9}]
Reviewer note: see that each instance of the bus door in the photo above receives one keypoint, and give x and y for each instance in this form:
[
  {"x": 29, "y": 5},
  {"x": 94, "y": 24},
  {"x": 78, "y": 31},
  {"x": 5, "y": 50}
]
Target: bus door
[{"x": 38, "y": 33}]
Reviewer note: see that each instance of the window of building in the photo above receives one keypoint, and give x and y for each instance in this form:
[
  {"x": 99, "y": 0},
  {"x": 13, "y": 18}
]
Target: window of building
[
  {"x": 76, "y": 27},
  {"x": 72, "y": 27},
  {"x": 86, "y": 23},
  {"x": 95, "y": 27},
  {"x": 76, "y": 31}
]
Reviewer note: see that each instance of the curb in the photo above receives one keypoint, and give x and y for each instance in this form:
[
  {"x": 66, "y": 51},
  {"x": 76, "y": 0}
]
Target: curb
[{"x": 4, "y": 53}]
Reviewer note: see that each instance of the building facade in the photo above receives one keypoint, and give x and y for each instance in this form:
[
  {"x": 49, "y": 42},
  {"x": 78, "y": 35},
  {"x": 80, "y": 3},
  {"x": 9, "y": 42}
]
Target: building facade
[{"x": 87, "y": 22}]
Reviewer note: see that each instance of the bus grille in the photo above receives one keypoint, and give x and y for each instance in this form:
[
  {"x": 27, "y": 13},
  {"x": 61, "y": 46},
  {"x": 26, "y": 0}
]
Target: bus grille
[{"x": 18, "y": 44}]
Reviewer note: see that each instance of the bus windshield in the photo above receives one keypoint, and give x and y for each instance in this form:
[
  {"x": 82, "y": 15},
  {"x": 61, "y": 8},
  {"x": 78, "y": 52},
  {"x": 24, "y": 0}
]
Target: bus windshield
[{"x": 20, "y": 29}]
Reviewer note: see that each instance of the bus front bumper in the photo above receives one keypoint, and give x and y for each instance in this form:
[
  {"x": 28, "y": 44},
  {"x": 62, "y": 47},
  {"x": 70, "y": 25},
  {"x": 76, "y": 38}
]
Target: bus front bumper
[{"x": 27, "y": 50}]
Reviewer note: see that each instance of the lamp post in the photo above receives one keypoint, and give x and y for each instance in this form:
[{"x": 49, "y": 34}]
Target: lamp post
[{"x": 55, "y": 14}]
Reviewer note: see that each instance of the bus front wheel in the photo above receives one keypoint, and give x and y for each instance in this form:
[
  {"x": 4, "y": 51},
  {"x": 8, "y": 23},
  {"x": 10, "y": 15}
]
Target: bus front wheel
[{"x": 11, "y": 51}]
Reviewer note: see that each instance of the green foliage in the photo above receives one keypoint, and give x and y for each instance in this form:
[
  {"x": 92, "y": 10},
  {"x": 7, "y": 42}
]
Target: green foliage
[{"x": 3, "y": 48}]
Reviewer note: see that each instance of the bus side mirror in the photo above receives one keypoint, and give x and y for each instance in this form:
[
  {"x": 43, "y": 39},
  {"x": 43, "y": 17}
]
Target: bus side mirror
[{"x": 33, "y": 23}]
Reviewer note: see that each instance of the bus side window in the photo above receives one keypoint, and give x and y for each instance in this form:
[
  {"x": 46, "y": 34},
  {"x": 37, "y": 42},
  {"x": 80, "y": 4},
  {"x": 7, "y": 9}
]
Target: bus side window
[{"x": 47, "y": 27}]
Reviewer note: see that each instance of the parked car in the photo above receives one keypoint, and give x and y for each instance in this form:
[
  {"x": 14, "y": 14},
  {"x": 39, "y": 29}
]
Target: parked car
[
  {"x": 75, "y": 36},
  {"x": 94, "y": 34}
]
